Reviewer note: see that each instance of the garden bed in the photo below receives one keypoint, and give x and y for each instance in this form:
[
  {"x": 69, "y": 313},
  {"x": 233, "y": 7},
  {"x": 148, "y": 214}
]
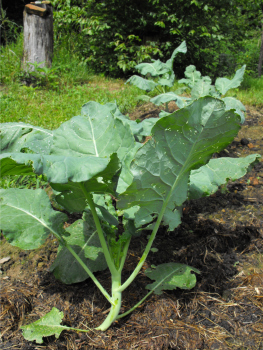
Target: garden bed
[{"x": 222, "y": 236}]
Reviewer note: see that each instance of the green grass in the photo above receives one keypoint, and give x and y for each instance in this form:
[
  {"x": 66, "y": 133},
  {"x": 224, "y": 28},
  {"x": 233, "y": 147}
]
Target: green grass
[
  {"x": 50, "y": 108},
  {"x": 69, "y": 84},
  {"x": 62, "y": 92},
  {"x": 59, "y": 94},
  {"x": 251, "y": 91},
  {"x": 23, "y": 181}
]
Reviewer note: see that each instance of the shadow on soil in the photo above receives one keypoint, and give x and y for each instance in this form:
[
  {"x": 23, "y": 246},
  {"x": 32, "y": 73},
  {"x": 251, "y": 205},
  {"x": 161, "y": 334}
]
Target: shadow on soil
[{"x": 220, "y": 235}]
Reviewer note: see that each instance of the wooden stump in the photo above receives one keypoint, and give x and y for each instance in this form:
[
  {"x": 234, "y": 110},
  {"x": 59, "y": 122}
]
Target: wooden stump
[{"x": 38, "y": 35}]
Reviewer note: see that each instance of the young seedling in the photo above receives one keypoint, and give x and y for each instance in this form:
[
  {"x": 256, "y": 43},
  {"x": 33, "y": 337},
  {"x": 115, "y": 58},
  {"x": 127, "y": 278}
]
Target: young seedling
[{"x": 93, "y": 158}]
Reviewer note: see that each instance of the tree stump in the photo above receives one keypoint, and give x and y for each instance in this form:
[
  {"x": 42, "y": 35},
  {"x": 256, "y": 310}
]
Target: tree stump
[{"x": 38, "y": 35}]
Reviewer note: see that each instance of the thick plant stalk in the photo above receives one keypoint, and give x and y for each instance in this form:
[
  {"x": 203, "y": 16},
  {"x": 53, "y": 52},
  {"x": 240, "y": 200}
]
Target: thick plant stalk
[
  {"x": 125, "y": 251},
  {"x": 103, "y": 242},
  {"x": 94, "y": 279},
  {"x": 115, "y": 308}
]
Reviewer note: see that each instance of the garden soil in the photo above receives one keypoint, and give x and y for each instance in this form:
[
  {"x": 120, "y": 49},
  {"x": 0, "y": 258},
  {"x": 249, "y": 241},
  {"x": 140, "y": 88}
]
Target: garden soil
[{"x": 222, "y": 236}]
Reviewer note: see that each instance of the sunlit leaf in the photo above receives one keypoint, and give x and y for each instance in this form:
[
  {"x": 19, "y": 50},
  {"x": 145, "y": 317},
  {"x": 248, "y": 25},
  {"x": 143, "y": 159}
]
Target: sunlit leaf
[
  {"x": 44, "y": 327},
  {"x": 171, "y": 276}
]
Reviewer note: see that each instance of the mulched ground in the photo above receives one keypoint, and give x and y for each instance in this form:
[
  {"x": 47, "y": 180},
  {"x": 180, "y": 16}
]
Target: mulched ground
[{"x": 222, "y": 236}]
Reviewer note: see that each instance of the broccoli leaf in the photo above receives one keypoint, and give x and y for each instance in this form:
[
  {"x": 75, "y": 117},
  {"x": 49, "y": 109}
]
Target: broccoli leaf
[
  {"x": 44, "y": 327},
  {"x": 206, "y": 180},
  {"x": 171, "y": 276},
  {"x": 27, "y": 217},
  {"x": 181, "y": 142},
  {"x": 17, "y": 136},
  {"x": 141, "y": 83},
  {"x": 224, "y": 84},
  {"x": 84, "y": 239}
]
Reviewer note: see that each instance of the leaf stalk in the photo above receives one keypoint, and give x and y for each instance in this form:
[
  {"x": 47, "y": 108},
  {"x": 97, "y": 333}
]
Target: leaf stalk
[{"x": 103, "y": 242}]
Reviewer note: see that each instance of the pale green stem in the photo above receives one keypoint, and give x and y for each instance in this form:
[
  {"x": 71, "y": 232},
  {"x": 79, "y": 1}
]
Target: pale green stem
[
  {"x": 125, "y": 251},
  {"x": 152, "y": 237},
  {"x": 145, "y": 254},
  {"x": 115, "y": 309},
  {"x": 103, "y": 242},
  {"x": 78, "y": 330},
  {"x": 94, "y": 279},
  {"x": 146, "y": 296},
  {"x": 160, "y": 90},
  {"x": 85, "y": 267},
  {"x": 135, "y": 306}
]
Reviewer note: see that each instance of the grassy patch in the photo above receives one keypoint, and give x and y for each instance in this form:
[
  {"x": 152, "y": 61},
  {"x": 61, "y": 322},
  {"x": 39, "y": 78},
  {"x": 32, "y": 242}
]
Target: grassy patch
[
  {"x": 58, "y": 94},
  {"x": 250, "y": 92},
  {"x": 50, "y": 108},
  {"x": 55, "y": 95}
]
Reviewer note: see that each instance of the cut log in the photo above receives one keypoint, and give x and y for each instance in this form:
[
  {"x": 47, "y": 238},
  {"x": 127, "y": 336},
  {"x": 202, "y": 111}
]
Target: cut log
[
  {"x": 38, "y": 35},
  {"x": 35, "y": 10}
]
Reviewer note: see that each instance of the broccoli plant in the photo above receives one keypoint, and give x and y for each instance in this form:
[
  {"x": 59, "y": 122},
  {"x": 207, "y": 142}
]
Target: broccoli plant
[
  {"x": 199, "y": 86},
  {"x": 94, "y": 165},
  {"x": 202, "y": 86},
  {"x": 162, "y": 73}
]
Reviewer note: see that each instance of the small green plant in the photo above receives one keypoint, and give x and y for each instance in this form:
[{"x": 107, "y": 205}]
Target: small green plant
[
  {"x": 94, "y": 165},
  {"x": 202, "y": 86},
  {"x": 162, "y": 72},
  {"x": 38, "y": 75},
  {"x": 198, "y": 85}
]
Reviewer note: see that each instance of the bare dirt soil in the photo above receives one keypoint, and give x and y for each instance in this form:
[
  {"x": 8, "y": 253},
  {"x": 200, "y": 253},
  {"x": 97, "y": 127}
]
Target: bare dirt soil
[{"x": 222, "y": 236}]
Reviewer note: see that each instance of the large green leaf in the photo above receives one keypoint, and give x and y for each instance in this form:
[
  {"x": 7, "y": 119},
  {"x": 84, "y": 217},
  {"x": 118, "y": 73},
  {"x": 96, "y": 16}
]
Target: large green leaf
[
  {"x": 206, "y": 180},
  {"x": 182, "y": 48},
  {"x": 84, "y": 239},
  {"x": 192, "y": 76},
  {"x": 181, "y": 142},
  {"x": 27, "y": 217},
  {"x": 16, "y": 136},
  {"x": 96, "y": 132},
  {"x": 155, "y": 68},
  {"x": 141, "y": 83},
  {"x": 171, "y": 276},
  {"x": 232, "y": 102},
  {"x": 45, "y": 326},
  {"x": 224, "y": 84},
  {"x": 100, "y": 131},
  {"x": 201, "y": 88},
  {"x": 62, "y": 169},
  {"x": 169, "y": 96}
]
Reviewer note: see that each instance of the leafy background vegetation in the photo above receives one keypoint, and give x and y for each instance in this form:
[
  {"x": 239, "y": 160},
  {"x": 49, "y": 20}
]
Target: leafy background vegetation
[
  {"x": 98, "y": 45},
  {"x": 95, "y": 51}
]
